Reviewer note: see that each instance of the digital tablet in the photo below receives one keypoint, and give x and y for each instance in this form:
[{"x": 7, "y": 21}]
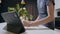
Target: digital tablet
[{"x": 14, "y": 23}]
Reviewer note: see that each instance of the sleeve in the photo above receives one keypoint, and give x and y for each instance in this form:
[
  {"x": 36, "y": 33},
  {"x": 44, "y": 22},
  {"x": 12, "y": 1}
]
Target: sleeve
[{"x": 47, "y": 1}]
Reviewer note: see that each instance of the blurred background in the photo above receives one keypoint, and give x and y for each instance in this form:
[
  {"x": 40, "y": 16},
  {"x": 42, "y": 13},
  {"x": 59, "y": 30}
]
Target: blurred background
[{"x": 31, "y": 9}]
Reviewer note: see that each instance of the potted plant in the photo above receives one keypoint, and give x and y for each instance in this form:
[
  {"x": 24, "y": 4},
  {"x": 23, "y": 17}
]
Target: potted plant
[{"x": 22, "y": 12}]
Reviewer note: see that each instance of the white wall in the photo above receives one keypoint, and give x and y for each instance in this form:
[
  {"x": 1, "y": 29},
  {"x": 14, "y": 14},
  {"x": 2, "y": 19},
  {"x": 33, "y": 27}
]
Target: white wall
[{"x": 57, "y": 4}]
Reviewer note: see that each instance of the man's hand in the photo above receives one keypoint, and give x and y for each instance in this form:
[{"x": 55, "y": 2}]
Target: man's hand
[
  {"x": 29, "y": 23},
  {"x": 26, "y": 23}
]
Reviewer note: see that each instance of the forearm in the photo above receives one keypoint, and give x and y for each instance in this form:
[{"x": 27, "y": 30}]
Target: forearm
[{"x": 42, "y": 21}]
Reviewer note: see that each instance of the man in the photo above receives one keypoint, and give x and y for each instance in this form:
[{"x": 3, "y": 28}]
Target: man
[{"x": 45, "y": 16}]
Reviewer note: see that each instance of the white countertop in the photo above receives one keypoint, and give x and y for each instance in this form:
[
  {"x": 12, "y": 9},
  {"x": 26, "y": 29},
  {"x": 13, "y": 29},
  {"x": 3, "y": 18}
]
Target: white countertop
[{"x": 30, "y": 31}]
